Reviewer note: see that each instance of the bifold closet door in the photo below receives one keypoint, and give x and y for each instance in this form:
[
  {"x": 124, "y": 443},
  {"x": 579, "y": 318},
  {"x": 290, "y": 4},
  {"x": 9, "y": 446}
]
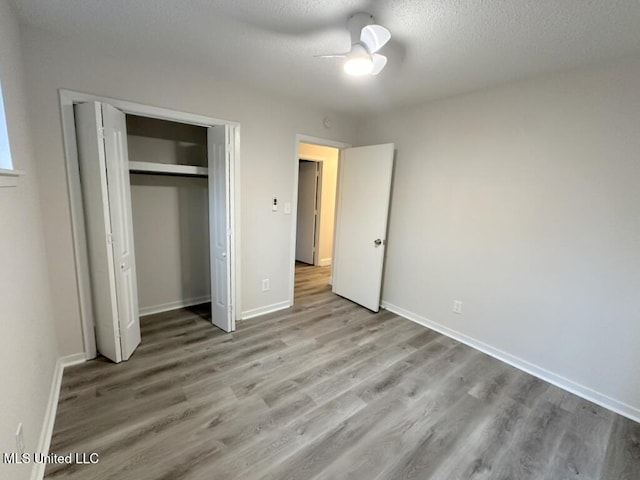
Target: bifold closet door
[
  {"x": 104, "y": 172},
  {"x": 219, "y": 139}
]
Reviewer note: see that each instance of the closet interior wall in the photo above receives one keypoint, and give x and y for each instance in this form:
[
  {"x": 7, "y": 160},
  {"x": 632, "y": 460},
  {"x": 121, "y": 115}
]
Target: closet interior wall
[{"x": 170, "y": 215}]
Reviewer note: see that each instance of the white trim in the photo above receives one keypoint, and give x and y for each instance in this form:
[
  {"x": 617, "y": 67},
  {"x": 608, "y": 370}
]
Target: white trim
[
  {"x": 318, "y": 212},
  {"x": 301, "y": 138},
  {"x": 165, "y": 307},
  {"x": 256, "y": 312},
  {"x": 559, "y": 381},
  {"x": 324, "y": 262},
  {"x": 78, "y": 228},
  {"x": 67, "y": 100},
  {"x": 9, "y": 177},
  {"x": 312, "y": 158},
  {"x": 71, "y": 360},
  {"x": 152, "y": 167},
  {"x": 147, "y": 110},
  {"x": 337, "y": 223},
  {"x": 323, "y": 142},
  {"x": 234, "y": 205},
  {"x": 37, "y": 471}
]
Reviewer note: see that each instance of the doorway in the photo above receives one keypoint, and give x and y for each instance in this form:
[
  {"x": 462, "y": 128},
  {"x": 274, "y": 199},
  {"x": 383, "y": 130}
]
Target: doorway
[
  {"x": 317, "y": 174},
  {"x": 223, "y": 140},
  {"x": 360, "y": 214}
]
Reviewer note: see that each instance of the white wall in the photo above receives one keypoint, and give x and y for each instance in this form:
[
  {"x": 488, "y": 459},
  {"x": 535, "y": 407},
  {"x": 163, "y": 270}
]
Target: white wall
[
  {"x": 268, "y": 129},
  {"x": 329, "y": 158},
  {"x": 27, "y": 340},
  {"x": 524, "y": 202}
]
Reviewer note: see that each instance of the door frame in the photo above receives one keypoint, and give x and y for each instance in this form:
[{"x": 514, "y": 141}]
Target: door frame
[
  {"x": 67, "y": 99},
  {"x": 301, "y": 138}
]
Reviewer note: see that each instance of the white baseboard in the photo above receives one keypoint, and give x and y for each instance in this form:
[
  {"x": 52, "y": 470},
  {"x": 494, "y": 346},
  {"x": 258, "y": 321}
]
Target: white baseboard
[
  {"x": 324, "y": 262},
  {"x": 587, "y": 393},
  {"x": 256, "y": 312},
  {"x": 165, "y": 307},
  {"x": 37, "y": 472}
]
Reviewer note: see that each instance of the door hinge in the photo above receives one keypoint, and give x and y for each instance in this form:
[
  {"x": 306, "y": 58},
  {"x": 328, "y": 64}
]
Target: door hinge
[
  {"x": 101, "y": 132},
  {"x": 109, "y": 239}
]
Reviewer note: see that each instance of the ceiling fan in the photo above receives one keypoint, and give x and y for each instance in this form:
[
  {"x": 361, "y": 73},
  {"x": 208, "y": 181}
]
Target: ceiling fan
[{"x": 366, "y": 39}]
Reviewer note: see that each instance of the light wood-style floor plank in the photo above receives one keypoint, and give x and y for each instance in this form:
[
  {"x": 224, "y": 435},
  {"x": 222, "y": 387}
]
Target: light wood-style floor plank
[{"x": 326, "y": 390}]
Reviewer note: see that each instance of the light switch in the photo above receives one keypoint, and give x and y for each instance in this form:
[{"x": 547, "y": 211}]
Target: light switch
[
  {"x": 287, "y": 208},
  {"x": 274, "y": 205}
]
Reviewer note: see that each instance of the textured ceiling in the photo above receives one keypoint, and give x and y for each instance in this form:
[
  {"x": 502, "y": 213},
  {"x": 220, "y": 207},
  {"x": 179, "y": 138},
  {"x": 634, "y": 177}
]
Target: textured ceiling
[{"x": 438, "y": 48}]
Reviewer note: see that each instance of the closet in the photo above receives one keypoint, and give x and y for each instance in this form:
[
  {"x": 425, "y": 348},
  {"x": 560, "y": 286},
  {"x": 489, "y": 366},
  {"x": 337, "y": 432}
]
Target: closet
[
  {"x": 170, "y": 212},
  {"x": 156, "y": 200}
]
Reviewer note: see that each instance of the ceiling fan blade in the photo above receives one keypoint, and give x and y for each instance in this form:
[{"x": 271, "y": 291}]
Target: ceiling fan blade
[
  {"x": 333, "y": 55},
  {"x": 374, "y": 37},
  {"x": 379, "y": 61}
]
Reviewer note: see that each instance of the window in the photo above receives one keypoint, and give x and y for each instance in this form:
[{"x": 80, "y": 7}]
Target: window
[
  {"x": 5, "y": 153},
  {"x": 8, "y": 176}
]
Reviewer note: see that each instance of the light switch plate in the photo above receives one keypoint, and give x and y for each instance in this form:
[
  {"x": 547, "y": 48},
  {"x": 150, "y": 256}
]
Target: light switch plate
[{"x": 287, "y": 208}]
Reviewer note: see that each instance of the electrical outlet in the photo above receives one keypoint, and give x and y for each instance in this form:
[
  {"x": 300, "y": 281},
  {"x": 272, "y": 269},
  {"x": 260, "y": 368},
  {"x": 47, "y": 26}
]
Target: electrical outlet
[
  {"x": 19, "y": 439},
  {"x": 457, "y": 306},
  {"x": 265, "y": 285}
]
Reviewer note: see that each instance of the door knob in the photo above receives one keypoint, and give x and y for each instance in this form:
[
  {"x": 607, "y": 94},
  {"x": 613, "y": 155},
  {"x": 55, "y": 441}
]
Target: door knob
[{"x": 377, "y": 242}]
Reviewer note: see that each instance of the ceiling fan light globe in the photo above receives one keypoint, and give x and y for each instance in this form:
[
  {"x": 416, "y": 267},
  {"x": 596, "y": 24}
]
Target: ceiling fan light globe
[{"x": 358, "y": 66}]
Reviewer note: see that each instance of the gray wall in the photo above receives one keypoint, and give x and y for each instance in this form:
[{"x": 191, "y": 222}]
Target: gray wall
[
  {"x": 523, "y": 202},
  {"x": 27, "y": 341},
  {"x": 171, "y": 232},
  {"x": 267, "y": 149},
  {"x": 161, "y": 141}
]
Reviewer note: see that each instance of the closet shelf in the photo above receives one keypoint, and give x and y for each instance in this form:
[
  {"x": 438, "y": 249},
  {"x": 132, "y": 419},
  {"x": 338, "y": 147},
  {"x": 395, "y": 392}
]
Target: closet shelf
[{"x": 149, "y": 167}]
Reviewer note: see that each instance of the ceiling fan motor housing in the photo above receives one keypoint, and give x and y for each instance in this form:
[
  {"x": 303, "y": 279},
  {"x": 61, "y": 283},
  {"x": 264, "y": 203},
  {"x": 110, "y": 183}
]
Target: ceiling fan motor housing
[{"x": 356, "y": 23}]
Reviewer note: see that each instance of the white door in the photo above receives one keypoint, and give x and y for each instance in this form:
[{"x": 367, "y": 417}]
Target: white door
[
  {"x": 104, "y": 173},
  {"x": 93, "y": 177},
  {"x": 219, "y": 142},
  {"x": 361, "y": 223},
  {"x": 307, "y": 216},
  {"x": 117, "y": 157}
]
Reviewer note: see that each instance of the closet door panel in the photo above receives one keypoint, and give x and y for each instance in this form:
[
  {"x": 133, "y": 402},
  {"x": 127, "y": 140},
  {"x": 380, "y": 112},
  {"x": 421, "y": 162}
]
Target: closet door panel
[
  {"x": 219, "y": 226},
  {"x": 93, "y": 176},
  {"x": 117, "y": 161}
]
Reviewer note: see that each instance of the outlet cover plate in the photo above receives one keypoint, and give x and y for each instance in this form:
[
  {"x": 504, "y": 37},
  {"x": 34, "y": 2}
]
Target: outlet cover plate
[{"x": 457, "y": 307}]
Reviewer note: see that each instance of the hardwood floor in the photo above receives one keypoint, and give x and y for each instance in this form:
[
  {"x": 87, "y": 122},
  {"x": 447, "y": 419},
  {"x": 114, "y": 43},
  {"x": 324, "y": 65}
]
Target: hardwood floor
[{"x": 326, "y": 390}]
